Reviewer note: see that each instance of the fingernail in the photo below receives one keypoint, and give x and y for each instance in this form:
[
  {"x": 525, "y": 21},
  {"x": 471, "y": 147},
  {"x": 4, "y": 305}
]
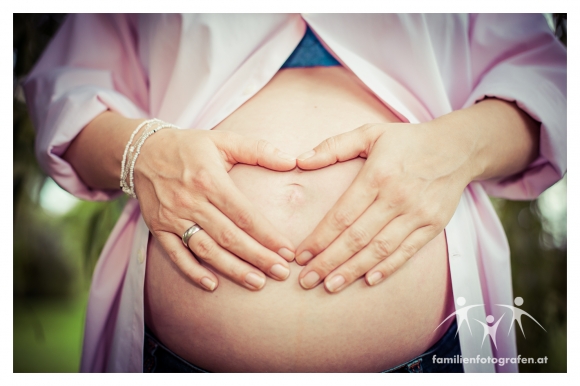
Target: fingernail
[
  {"x": 304, "y": 257},
  {"x": 306, "y": 155},
  {"x": 208, "y": 283},
  {"x": 334, "y": 283},
  {"x": 310, "y": 280},
  {"x": 255, "y": 280},
  {"x": 375, "y": 278},
  {"x": 286, "y": 254},
  {"x": 280, "y": 271},
  {"x": 287, "y": 156}
]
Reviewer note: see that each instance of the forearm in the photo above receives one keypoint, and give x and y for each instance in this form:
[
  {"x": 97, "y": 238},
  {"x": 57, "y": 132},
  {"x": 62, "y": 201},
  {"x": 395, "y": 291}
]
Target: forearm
[
  {"x": 496, "y": 137},
  {"x": 96, "y": 153}
]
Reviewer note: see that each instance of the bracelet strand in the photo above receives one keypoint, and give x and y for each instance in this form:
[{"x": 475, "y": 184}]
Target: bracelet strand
[
  {"x": 128, "y": 152},
  {"x": 162, "y": 125}
]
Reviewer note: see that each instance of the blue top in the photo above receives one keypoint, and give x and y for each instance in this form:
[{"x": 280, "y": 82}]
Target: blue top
[{"x": 310, "y": 53}]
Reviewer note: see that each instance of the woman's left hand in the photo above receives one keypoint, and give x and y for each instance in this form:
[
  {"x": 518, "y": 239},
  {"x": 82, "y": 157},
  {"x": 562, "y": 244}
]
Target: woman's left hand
[{"x": 405, "y": 194}]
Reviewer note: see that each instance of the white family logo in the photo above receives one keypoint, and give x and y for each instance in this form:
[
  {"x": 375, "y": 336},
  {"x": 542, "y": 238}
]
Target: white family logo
[{"x": 490, "y": 326}]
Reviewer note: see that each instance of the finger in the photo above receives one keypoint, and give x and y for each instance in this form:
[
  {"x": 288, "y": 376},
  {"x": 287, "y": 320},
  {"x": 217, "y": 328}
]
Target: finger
[
  {"x": 348, "y": 244},
  {"x": 380, "y": 248},
  {"x": 232, "y": 203},
  {"x": 186, "y": 262},
  {"x": 406, "y": 250},
  {"x": 231, "y": 238},
  {"x": 240, "y": 272},
  {"x": 342, "y": 147},
  {"x": 352, "y": 204},
  {"x": 240, "y": 149},
  {"x": 356, "y": 237}
]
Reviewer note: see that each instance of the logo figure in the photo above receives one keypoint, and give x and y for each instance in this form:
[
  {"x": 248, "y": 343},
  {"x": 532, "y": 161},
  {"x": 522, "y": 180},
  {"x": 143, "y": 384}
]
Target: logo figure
[
  {"x": 517, "y": 314},
  {"x": 461, "y": 314},
  {"x": 489, "y": 328}
]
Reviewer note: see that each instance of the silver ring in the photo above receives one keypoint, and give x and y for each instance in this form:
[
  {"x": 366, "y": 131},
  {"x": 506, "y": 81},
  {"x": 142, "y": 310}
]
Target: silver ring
[{"x": 190, "y": 232}]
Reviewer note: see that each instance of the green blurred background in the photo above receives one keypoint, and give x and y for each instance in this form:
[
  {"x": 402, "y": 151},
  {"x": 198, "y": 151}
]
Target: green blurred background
[{"x": 52, "y": 274}]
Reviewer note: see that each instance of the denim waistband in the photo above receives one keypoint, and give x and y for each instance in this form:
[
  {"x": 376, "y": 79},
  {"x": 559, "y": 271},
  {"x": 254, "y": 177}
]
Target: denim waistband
[
  {"x": 157, "y": 358},
  {"x": 446, "y": 347}
]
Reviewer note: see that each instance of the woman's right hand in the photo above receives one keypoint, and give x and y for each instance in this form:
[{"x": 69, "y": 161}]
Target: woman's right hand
[{"x": 181, "y": 178}]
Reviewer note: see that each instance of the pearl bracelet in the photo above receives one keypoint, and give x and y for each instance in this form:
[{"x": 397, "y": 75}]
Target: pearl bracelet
[
  {"x": 129, "y": 151},
  {"x": 146, "y": 135}
]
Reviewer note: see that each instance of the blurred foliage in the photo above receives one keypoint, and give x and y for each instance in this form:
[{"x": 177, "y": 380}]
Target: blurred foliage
[
  {"x": 55, "y": 255},
  {"x": 64, "y": 248},
  {"x": 539, "y": 276},
  {"x": 48, "y": 334}
]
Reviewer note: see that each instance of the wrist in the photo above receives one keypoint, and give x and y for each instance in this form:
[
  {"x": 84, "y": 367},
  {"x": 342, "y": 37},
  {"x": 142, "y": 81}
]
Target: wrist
[
  {"x": 96, "y": 152},
  {"x": 133, "y": 149},
  {"x": 457, "y": 152},
  {"x": 157, "y": 152},
  {"x": 498, "y": 137}
]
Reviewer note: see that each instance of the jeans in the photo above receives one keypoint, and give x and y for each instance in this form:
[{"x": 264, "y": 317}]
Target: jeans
[{"x": 159, "y": 359}]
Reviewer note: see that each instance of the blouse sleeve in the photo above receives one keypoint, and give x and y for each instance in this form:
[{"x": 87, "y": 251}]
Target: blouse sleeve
[
  {"x": 518, "y": 58},
  {"x": 90, "y": 66}
]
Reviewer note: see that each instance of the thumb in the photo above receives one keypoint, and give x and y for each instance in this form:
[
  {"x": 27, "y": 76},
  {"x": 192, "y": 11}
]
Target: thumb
[
  {"x": 342, "y": 147},
  {"x": 259, "y": 152}
]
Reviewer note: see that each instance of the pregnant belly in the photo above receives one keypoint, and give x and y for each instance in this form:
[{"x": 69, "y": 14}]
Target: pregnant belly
[{"x": 283, "y": 327}]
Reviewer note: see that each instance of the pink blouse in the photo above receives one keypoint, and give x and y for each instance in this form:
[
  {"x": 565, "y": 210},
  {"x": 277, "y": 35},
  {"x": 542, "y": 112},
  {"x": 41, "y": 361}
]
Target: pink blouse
[{"x": 195, "y": 70}]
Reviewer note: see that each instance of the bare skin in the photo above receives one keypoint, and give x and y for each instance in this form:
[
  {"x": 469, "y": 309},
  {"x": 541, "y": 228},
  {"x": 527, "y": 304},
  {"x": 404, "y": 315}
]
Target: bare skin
[
  {"x": 489, "y": 140},
  {"x": 181, "y": 177},
  {"x": 282, "y": 327},
  {"x": 282, "y": 321},
  {"x": 409, "y": 188}
]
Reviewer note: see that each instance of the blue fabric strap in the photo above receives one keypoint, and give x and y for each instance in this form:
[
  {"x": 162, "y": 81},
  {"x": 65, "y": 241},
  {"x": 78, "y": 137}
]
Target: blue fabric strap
[{"x": 310, "y": 53}]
